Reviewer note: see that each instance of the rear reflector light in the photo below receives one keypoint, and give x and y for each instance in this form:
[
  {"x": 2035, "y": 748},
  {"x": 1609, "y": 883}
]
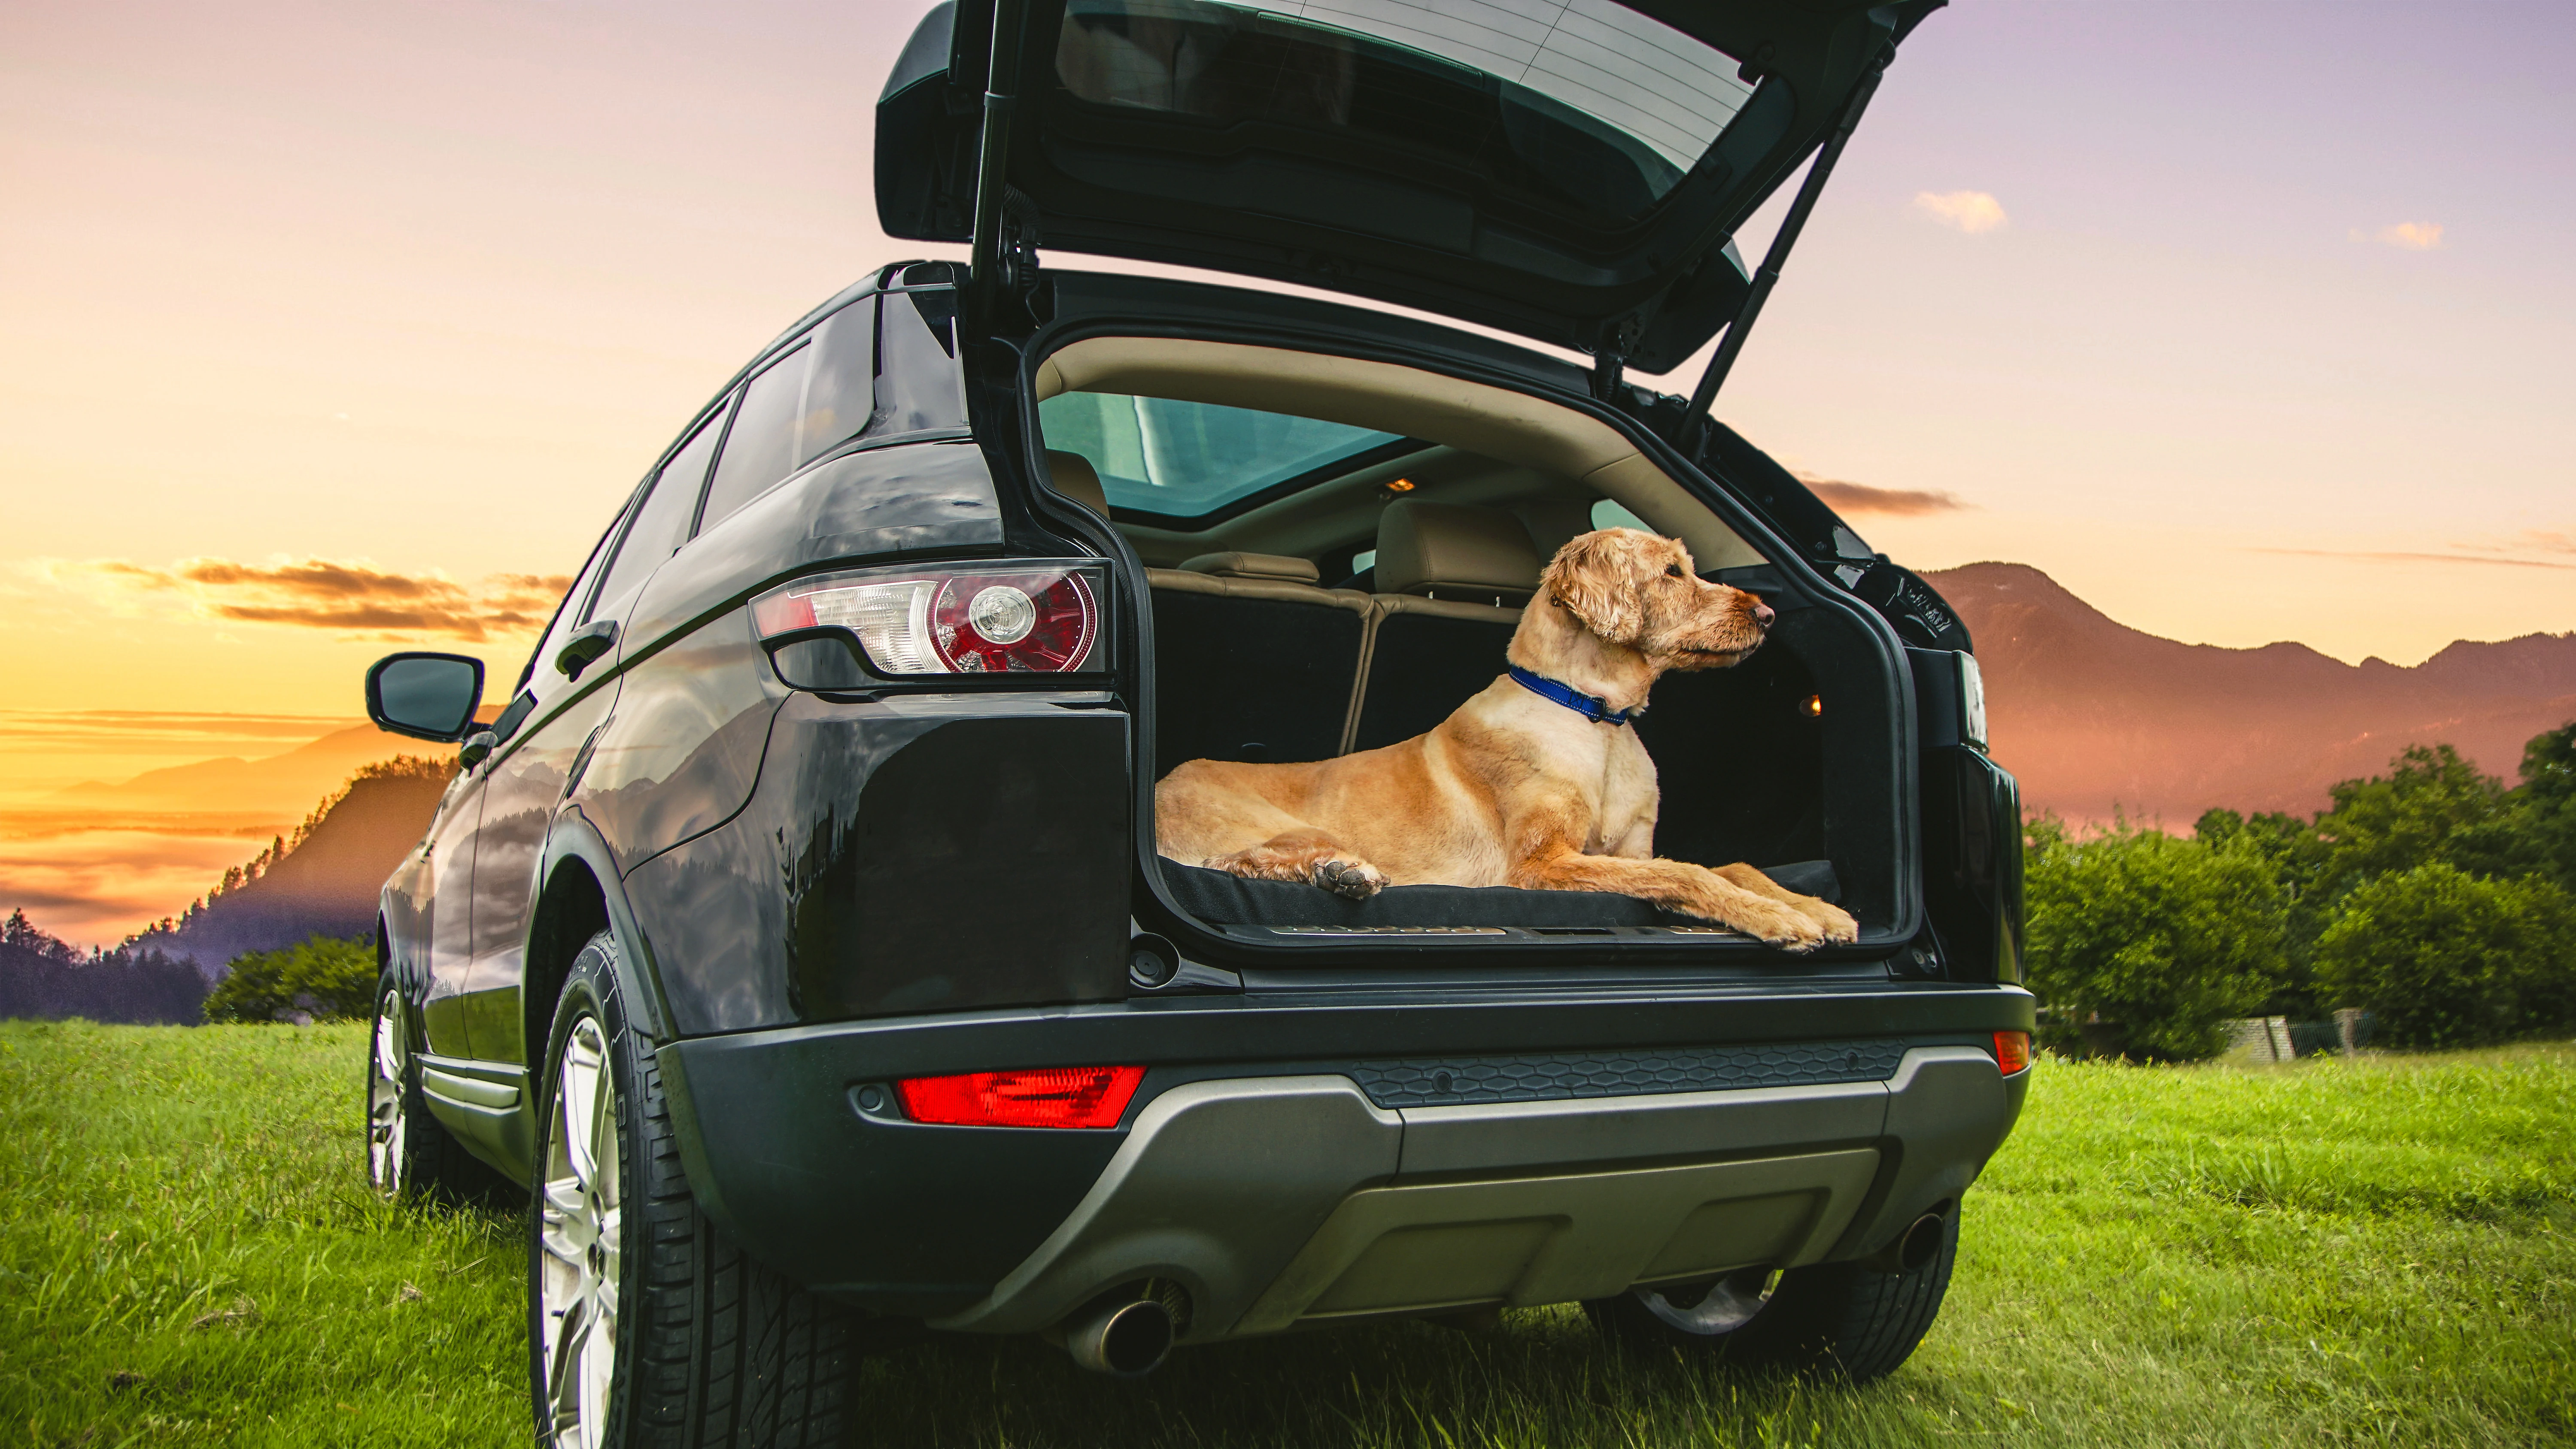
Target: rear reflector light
[
  {"x": 2012, "y": 1051},
  {"x": 1010, "y": 619},
  {"x": 1039, "y": 1097}
]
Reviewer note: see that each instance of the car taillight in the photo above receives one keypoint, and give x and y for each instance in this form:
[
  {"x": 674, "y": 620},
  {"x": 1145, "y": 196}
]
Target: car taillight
[
  {"x": 2012, "y": 1052},
  {"x": 1035, "y": 1097},
  {"x": 1007, "y": 619}
]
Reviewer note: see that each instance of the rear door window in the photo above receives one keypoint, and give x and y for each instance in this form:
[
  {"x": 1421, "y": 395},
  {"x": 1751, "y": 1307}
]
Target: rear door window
[
  {"x": 762, "y": 446},
  {"x": 661, "y": 524}
]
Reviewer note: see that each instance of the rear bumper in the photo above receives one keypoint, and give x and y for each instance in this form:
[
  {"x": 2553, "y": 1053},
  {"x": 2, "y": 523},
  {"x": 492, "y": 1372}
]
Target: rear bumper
[{"x": 1287, "y": 1188}]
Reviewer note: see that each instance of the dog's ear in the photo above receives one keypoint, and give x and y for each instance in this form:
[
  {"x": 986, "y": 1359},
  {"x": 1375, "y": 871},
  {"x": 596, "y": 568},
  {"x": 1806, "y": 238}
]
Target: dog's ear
[{"x": 1594, "y": 578}]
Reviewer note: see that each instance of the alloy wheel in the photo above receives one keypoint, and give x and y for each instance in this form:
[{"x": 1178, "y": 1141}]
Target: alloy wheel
[
  {"x": 1727, "y": 1304},
  {"x": 388, "y": 1120},
  {"x": 579, "y": 1231}
]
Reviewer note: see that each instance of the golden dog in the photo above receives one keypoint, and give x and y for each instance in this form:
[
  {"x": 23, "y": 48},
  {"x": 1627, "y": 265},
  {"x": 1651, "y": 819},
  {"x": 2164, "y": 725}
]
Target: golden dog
[{"x": 1519, "y": 787}]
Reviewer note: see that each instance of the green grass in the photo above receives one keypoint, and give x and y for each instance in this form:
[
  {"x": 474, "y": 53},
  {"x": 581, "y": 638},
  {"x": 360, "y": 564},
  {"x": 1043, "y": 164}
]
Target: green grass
[{"x": 2375, "y": 1252}]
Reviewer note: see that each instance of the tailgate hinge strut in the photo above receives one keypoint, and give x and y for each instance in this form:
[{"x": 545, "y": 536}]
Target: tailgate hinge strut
[
  {"x": 1686, "y": 434},
  {"x": 994, "y": 255}
]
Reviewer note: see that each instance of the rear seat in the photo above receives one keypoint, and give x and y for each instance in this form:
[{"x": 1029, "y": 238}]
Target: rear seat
[
  {"x": 1255, "y": 661},
  {"x": 1454, "y": 579}
]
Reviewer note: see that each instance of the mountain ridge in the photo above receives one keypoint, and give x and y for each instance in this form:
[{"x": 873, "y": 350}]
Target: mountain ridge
[{"x": 2098, "y": 719}]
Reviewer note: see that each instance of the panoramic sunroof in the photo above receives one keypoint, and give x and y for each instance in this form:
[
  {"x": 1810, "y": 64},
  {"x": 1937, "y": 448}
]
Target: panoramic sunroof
[{"x": 1186, "y": 460}]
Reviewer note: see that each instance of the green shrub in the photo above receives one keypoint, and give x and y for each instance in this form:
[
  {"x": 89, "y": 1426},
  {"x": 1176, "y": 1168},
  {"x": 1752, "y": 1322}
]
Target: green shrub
[
  {"x": 2163, "y": 940},
  {"x": 325, "y": 978},
  {"x": 2449, "y": 959}
]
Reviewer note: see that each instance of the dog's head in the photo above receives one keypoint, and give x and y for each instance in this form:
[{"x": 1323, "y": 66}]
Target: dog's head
[{"x": 1638, "y": 591}]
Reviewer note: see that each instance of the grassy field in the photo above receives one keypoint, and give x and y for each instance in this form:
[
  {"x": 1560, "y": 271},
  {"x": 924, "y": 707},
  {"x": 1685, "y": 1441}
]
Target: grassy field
[{"x": 2380, "y": 1252}]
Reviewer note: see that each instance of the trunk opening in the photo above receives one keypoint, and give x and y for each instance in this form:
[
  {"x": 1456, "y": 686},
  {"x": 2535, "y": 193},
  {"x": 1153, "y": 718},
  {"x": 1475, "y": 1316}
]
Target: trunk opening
[{"x": 1338, "y": 552}]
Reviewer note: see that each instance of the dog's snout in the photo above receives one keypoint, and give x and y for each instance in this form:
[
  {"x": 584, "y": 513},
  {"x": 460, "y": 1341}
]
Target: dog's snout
[{"x": 1762, "y": 614}]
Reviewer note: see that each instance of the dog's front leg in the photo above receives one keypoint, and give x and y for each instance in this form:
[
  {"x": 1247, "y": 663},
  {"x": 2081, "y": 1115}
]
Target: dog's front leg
[{"x": 1551, "y": 859}]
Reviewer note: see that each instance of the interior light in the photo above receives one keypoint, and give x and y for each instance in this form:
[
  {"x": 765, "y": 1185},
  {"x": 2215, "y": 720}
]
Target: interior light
[
  {"x": 1812, "y": 707},
  {"x": 1035, "y": 1097},
  {"x": 1400, "y": 485}
]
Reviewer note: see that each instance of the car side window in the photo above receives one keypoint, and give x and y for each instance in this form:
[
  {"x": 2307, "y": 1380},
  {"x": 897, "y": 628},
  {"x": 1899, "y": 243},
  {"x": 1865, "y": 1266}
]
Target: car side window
[
  {"x": 821, "y": 392},
  {"x": 661, "y": 522},
  {"x": 761, "y": 449}
]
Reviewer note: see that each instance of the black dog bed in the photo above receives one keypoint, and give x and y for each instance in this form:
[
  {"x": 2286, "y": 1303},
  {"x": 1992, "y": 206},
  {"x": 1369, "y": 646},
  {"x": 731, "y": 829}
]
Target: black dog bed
[{"x": 1212, "y": 895}]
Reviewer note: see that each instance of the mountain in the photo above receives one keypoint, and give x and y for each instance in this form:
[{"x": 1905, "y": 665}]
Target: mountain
[
  {"x": 2094, "y": 717},
  {"x": 321, "y": 881},
  {"x": 275, "y": 788}
]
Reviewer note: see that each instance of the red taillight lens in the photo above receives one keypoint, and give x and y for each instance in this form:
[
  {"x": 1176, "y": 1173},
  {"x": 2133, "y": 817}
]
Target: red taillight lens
[
  {"x": 1003, "y": 620},
  {"x": 1038, "y": 1097},
  {"x": 998, "y": 623},
  {"x": 2012, "y": 1052}
]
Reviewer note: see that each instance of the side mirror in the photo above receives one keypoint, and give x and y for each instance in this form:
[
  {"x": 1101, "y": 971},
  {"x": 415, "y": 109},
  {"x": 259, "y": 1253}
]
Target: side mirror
[{"x": 425, "y": 696}]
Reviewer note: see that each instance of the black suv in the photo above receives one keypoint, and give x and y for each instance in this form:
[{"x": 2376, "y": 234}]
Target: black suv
[{"x": 796, "y": 932}]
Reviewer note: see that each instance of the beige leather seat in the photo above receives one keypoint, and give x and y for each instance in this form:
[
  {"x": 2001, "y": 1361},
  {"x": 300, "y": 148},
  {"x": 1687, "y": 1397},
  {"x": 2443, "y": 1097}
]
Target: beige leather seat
[
  {"x": 1451, "y": 582},
  {"x": 1075, "y": 478}
]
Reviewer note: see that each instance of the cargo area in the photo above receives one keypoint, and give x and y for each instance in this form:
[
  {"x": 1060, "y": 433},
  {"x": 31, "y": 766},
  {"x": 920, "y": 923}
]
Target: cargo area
[{"x": 1343, "y": 576}]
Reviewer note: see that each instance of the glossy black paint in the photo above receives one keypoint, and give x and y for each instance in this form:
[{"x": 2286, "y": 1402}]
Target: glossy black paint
[
  {"x": 681, "y": 753},
  {"x": 874, "y": 1209},
  {"x": 916, "y": 853},
  {"x": 892, "y": 1216},
  {"x": 1972, "y": 865},
  {"x": 1399, "y": 206},
  {"x": 445, "y": 935},
  {"x": 520, "y": 792},
  {"x": 894, "y": 501}
]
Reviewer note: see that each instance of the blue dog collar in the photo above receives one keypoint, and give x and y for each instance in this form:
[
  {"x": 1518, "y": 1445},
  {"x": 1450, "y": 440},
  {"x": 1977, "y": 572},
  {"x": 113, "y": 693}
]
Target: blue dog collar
[{"x": 1590, "y": 707}]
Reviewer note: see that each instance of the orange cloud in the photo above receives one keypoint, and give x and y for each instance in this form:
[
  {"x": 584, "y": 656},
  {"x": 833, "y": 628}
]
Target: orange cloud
[
  {"x": 1844, "y": 497},
  {"x": 2406, "y": 236},
  {"x": 1968, "y": 211},
  {"x": 349, "y": 597}
]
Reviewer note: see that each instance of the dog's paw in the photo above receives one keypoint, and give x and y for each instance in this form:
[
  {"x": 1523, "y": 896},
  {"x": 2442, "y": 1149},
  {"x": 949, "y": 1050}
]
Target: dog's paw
[
  {"x": 1358, "y": 880},
  {"x": 1783, "y": 929},
  {"x": 1839, "y": 927}
]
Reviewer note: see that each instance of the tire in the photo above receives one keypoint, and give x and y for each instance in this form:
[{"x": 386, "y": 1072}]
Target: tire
[
  {"x": 411, "y": 1156},
  {"x": 1840, "y": 1320},
  {"x": 682, "y": 1342}
]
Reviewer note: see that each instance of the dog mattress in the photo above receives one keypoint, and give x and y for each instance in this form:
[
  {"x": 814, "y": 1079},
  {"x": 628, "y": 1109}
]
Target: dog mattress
[{"x": 1212, "y": 895}]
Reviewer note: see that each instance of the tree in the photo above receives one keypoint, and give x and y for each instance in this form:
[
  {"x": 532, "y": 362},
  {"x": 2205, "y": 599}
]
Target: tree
[
  {"x": 2163, "y": 940},
  {"x": 2549, "y": 802},
  {"x": 2434, "y": 806},
  {"x": 2444, "y": 958},
  {"x": 326, "y": 978}
]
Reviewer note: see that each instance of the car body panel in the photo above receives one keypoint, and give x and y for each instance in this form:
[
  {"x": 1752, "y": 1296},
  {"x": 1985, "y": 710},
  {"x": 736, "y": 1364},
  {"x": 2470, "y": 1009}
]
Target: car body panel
[
  {"x": 1439, "y": 182},
  {"x": 879, "y": 830},
  {"x": 1292, "y": 1133}
]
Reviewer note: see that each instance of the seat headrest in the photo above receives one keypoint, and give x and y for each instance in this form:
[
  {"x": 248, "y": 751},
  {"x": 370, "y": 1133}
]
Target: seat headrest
[
  {"x": 1255, "y": 566},
  {"x": 1448, "y": 550},
  {"x": 1075, "y": 478}
]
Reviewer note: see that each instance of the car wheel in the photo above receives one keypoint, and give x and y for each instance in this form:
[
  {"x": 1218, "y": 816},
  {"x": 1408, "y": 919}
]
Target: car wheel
[
  {"x": 1843, "y": 1319},
  {"x": 646, "y": 1325},
  {"x": 410, "y": 1154}
]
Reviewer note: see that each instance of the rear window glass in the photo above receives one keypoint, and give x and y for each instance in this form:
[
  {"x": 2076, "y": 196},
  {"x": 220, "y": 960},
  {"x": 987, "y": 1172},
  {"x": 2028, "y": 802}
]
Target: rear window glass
[
  {"x": 1188, "y": 460},
  {"x": 1596, "y": 100}
]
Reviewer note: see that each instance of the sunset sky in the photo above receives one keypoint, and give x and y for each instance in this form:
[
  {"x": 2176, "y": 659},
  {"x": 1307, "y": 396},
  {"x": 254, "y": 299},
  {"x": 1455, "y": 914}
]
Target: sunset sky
[{"x": 332, "y": 329}]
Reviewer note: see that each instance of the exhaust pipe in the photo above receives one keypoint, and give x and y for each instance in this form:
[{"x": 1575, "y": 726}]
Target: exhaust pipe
[
  {"x": 1127, "y": 1333},
  {"x": 1913, "y": 1250}
]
